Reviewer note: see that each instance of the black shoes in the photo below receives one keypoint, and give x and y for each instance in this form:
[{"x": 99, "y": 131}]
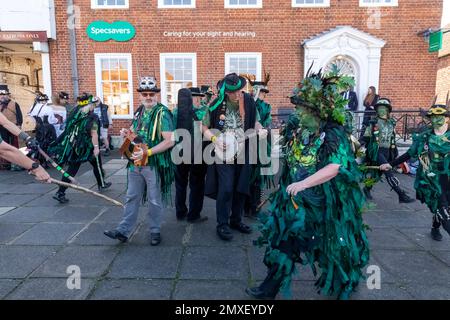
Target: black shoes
[
  {"x": 155, "y": 239},
  {"x": 198, "y": 219},
  {"x": 367, "y": 193},
  {"x": 241, "y": 227},
  {"x": 404, "y": 198},
  {"x": 224, "y": 232},
  {"x": 436, "y": 234},
  {"x": 61, "y": 197},
  {"x": 257, "y": 293},
  {"x": 114, "y": 234},
  {"x": 106, "y": 186},
  {"x": 106, "y": 154}
]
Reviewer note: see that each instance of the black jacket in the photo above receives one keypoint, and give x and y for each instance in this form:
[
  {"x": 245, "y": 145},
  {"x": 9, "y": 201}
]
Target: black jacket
[
  {"x": 243, "y": 184},
  {"x": 353, "y": 100}
]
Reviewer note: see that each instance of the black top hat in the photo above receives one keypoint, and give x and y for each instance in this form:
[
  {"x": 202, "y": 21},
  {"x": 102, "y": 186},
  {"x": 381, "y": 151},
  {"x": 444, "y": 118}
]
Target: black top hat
[
  {"x": 63, "y": 95},
  {"x": 207, "y": 90},
  {"x": 383, "y": 102},
  {"x": 148, "y": 84},
  {"x": 232, "y": 82},
  {"x": 4, "y": 89},
  {"x": 196, "y": 92},
  {"x": 437, "y": 110},
  {"x": 42, "y": 97}
]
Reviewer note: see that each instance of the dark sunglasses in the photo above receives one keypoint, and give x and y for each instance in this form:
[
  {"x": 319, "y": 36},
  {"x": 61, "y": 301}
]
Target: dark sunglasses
[{"x": 145, "y": 95}]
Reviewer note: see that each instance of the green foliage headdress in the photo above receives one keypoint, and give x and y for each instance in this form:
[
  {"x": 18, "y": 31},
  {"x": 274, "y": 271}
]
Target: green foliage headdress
[{"x": 321, "y": 93}]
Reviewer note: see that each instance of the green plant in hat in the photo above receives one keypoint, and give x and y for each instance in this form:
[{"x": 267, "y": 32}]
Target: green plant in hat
[{"x": 320, "y": 93}]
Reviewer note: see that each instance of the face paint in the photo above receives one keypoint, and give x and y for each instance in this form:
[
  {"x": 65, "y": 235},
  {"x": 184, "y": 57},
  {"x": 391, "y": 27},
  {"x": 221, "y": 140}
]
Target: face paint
[
  {"x": 308, "y": 120},
  {"x": 437, "y": 121},
  {"x": 382, "y": 112}
]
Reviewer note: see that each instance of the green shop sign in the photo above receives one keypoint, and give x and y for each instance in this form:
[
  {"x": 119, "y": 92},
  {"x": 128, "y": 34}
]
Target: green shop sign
[
  {"x": 104, "y": 31},
  {"x": 435, "y": 42}
]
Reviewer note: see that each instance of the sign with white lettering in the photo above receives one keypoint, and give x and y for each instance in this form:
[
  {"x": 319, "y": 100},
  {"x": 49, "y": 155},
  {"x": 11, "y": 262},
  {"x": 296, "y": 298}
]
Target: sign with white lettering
[
  {"x": 23, "y": 36},
  {"x": 104, "y": 31}
]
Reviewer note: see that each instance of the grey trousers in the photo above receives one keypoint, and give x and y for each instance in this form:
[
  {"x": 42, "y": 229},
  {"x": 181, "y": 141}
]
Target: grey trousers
[{"x": 138, "y": 177}]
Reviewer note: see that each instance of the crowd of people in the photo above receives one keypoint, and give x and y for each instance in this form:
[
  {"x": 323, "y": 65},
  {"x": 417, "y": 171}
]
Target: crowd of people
[{"x": 315, "y": 212}]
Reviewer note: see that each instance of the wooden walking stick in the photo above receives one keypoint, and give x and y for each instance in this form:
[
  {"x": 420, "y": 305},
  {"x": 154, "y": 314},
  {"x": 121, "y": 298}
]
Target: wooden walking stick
[
  {"x": 56, "y": 166},
  {"x": 69, "y": 185}
]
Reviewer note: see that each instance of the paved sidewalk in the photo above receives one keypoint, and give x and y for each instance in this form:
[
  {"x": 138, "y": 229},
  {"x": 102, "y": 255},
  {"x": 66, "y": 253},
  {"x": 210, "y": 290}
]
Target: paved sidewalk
[{"x": 40, "y": 238}]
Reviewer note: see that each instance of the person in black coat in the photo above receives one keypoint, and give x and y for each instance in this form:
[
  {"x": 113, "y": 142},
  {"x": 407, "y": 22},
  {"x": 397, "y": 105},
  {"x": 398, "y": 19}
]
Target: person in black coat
[
  {"x": 231, "y": 113},
  {"x": 352, "y": 98}
]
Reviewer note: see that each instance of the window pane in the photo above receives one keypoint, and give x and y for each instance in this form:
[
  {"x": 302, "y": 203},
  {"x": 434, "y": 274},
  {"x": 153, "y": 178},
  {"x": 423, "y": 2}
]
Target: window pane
[
  {"x": 114, "y": 75},
  {"x": 178, "y": 74},
  {"x": 187, "y": 74},
  {"x": 178, "y": 63},
  {"x": 105, "y": 75},
  {"x": 106, "y": 88},
  {"x": 123, "y": 75},
  {"x": 188, "y": 63},
  {"x": 252, "y": 63},
  {"x": 105, "y": 64},
  {"x": 113, "y": 64},
  {"x": 111, "y": 2},
  {"x": 242, "y": 65},
  {"x": 123, "y": 64}
]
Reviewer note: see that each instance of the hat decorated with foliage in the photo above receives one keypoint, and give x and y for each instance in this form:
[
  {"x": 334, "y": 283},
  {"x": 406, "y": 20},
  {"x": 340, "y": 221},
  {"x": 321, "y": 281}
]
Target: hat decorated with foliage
[{"x": 320, "y": 93}]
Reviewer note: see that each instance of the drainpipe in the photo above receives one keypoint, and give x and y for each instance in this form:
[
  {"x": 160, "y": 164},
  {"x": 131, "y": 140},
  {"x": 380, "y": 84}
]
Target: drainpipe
[{"x": 73, "y": 49}]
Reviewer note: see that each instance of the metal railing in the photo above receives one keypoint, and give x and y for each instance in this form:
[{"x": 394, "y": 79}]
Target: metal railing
[{"x": 408, "y": 121}]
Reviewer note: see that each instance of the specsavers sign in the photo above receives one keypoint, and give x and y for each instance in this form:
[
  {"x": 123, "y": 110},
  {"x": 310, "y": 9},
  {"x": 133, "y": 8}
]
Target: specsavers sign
[{"x": 104, "y": 31}]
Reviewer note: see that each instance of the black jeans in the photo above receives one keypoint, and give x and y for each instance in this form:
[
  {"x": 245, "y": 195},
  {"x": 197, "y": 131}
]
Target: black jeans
[
  {"x": 194, "y": 174},
  {"x": 228, "y": 198},
  {"x": 444, "y": 181},
  {"x": 75, "y": 166}
]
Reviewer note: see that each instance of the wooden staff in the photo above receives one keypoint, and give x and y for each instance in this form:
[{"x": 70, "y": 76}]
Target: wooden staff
[
  {"x": 369, "y": 168},
  {"x": 69, "y": 185},
  {"x": 56, "y": 166}
]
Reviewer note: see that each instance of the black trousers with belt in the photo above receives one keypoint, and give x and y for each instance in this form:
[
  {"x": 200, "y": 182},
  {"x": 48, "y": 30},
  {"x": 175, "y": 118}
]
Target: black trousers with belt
[
  {"x": 228, "y": 198},
  {"x": 97, "y": 167},
  {"x": 194, "y": 175}
]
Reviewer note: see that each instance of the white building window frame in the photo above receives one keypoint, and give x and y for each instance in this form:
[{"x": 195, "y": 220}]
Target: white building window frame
[
  {"x": 325, "y": 4},
  {"x": 162, "y": 66},
  {"x": 94, "y": 5},
  {"x": 258, "y": 5},
  {"x": 257, "y": 55},
  {"x": 394, "y": 3},
  {"x": 161, "y": 5},
  {"x": 98, "y": 79}
]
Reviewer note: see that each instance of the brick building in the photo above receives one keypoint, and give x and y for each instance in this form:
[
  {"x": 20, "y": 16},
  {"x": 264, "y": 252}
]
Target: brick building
[
  {"x": 443, "y": 67},
  {"x": 196, "y": 42}
]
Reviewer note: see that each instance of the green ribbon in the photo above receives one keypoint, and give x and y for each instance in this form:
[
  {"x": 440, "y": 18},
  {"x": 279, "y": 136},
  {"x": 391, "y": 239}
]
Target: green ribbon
[{"x": 222, "y": 93}]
